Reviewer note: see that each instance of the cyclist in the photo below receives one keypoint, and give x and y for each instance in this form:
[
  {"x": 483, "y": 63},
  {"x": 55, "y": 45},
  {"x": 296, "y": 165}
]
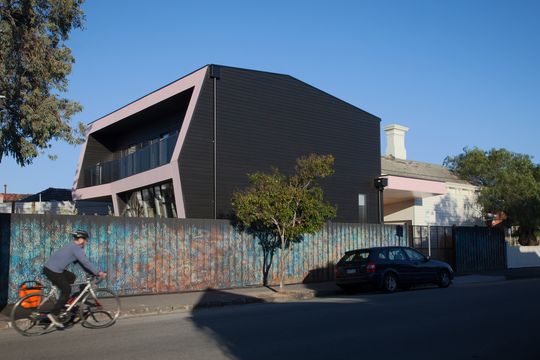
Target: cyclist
[{"x": 55, "y": 270}]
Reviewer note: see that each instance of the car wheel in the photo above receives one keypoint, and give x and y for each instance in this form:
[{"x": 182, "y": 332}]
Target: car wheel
[
  {"x": 443, "y": 279},
  {"x": 390, "y": 283}
]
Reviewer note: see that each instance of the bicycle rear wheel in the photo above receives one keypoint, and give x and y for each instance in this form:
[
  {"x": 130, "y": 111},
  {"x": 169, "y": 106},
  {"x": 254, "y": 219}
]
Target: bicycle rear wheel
[
  {"x": 100, "y": 308},
  {"x": 29, "y": 314}
]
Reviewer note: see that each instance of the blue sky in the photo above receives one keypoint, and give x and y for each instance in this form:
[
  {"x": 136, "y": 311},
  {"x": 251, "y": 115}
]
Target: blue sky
[{"x": 457, "y": 73}]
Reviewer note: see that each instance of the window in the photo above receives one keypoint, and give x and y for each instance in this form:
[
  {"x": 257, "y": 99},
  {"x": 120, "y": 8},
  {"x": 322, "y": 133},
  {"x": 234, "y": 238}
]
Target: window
[
  {"x": 396, "y": 254},
  {"x": 362, "y": 209},
  {"x": 356, "y": 257},
  {"x": 414, "y": 255},
  {"x": 153, "y": 201}
]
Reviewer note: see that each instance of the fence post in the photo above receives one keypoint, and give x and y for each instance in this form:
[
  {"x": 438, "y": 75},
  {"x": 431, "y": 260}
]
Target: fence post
[
  {"x": 429, "y": 240},
  {"x": 5, "y": 242}
]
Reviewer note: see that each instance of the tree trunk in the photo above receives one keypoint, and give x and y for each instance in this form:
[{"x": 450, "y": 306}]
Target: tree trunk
[
  {"x": 282, "y": 265},
  {"x": 527, "y": 237}
]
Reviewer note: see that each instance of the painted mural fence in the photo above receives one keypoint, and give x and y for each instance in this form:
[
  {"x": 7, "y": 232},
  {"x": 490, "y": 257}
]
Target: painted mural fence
[{"x": 146, "y": 256}]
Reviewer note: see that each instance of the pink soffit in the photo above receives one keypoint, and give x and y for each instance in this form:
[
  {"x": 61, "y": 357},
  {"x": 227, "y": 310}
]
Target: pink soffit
[{"x": 416, "y": 185}]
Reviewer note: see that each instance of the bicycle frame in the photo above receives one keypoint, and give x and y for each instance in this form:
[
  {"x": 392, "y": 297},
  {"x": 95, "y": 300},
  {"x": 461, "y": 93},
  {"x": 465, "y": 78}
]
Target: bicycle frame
[{"x": 86, "y": 290}]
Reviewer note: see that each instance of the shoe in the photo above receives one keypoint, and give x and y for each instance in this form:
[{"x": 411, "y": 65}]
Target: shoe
[{"x": 55, "y": 321}]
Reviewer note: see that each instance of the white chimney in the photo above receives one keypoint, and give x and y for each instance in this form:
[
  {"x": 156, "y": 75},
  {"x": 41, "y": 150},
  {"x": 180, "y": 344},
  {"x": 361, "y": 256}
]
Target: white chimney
[{"x": 395, "y": 141}]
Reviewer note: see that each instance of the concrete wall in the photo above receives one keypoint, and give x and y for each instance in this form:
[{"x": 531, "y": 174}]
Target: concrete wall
[{"x": 522, "y": 256}]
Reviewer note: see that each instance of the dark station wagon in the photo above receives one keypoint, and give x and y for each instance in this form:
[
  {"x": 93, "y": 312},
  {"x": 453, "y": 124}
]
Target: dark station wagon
[{"x": 390, "y": 268}]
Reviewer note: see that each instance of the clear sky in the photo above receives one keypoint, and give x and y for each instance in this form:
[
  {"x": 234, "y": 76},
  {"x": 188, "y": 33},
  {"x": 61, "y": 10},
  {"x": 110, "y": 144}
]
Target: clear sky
[{"x": 458, "y": 73}]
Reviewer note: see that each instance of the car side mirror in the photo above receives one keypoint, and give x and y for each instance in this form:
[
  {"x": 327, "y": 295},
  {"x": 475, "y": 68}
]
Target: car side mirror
[{"x": 428, "y": 258}]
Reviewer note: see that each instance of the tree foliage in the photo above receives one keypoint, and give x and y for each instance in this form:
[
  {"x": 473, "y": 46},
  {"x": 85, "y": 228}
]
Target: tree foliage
[
  {"x": 509, "y": 183},
  {"x": 286, "y": 207},
  {"x": 34, "y": 65}
]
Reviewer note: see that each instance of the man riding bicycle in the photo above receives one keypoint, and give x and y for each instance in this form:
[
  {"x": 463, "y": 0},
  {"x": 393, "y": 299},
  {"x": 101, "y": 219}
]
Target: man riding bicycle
[{"x": 55, "y": 270}]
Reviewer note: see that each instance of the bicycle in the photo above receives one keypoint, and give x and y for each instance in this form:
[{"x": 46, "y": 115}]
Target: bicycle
[{"x": 95, "y": 307}]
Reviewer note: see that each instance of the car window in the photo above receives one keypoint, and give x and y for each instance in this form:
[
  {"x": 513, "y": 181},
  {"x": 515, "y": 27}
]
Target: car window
[
  {"x": 383, "y": 255},
  {"x": 414, "y": 255},
  {"x": 396, "y": 254},
  {"x": 360, "y": 256}
]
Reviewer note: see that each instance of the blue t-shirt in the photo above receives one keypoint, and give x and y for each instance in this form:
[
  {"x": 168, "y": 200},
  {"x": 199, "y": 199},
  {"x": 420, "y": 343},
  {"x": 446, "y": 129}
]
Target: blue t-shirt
[{"x": 68, "y": 255}]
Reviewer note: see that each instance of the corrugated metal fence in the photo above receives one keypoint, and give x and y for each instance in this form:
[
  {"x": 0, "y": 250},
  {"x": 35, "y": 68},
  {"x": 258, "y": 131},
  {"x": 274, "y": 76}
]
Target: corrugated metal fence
[
  {"x": 479, "y": 249},
  {"x": 144, "y": 255}
]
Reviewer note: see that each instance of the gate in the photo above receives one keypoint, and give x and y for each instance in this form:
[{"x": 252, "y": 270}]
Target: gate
[
  {"x": 479, "y": 249},
  {"x": 435, "y": 241}
]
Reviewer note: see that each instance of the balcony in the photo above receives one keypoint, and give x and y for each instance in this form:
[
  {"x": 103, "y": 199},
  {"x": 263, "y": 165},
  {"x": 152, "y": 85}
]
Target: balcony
[{"x": 149, "y": 157}]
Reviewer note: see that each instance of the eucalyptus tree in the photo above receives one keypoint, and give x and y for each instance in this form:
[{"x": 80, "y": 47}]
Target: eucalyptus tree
[{"x": 34, "y": 66}]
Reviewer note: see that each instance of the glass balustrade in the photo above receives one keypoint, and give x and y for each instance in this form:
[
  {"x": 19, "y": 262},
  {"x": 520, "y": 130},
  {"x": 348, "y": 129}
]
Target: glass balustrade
[{"x": 149, "y": 157}]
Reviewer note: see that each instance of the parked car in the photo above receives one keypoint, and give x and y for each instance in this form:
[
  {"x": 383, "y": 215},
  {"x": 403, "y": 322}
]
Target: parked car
[{"x": 390, "y": 268}]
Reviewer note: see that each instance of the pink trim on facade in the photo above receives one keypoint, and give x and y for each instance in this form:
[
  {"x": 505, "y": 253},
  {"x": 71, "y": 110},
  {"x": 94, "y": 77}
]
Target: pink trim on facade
[
  {"x": 177, "y": 187},
  {"x": 197, "y": 81},
  {"x": 79, "y": 165},
  {"x": 166, "y": 172},
  {"x": 144, "y": 179},
  {"x": 150, "y": 99},
  {"x": 416, "y": 185},
  {"x": 92, "y": 192}
]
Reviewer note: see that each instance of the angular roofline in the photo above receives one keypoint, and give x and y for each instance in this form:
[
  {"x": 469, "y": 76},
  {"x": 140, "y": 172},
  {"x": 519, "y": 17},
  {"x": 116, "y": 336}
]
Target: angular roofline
[
  {"x": 150, "y": 93},
  {"x": 302, "y": 81},
  {"x": 231, "y": 67}
]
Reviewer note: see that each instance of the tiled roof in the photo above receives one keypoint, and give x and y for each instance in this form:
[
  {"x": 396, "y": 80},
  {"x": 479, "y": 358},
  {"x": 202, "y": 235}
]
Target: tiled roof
[
  {"x": 13, "y": 197},
  {"x": 417, "y": 170}
]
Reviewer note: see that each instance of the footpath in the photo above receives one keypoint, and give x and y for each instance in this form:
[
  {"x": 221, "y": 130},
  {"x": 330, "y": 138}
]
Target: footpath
[{"x": 188, "y": 301}]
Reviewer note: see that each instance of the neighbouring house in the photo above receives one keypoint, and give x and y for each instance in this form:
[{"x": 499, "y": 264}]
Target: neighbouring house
[
  {"x": 420, "y": 193},
  {"x": 182, "y": 150},
  {"x": 7, "y": 201},
  {"x": 52, "y": 201}
]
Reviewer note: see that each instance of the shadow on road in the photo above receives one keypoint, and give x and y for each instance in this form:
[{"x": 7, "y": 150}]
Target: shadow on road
[
  {"x": 273, "y": 331},
  {"x": 213, "y": 298},
  {"x": 379, "y": 326}
]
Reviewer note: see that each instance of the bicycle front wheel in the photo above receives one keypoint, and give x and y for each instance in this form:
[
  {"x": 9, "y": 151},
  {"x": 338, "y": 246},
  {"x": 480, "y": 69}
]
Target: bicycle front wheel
[
  {"x": 100, "y": 308},
  {"x": 29, "y": 314}
]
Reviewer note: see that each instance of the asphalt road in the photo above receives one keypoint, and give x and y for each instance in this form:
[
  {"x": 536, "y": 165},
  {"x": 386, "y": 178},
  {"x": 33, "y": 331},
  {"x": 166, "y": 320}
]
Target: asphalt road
[{"x": 477, "y": 321}]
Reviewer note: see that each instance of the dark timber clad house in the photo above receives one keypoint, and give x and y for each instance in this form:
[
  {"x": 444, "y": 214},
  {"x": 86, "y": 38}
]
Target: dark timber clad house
[{"x": 157, "y": 156}]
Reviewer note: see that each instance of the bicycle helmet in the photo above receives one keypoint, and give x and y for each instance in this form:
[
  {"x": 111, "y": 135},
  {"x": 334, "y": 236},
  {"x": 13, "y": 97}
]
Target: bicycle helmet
[{"x": 80, "y": 234}]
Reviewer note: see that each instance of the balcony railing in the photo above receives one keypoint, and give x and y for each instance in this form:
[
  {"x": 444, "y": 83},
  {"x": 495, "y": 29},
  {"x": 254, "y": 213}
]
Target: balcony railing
[{"x": 149, "y": 157}]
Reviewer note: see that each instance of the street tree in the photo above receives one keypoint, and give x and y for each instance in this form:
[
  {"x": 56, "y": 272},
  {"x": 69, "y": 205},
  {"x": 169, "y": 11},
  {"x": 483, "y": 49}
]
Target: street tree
[
  {"x": 509, "y": 184},
  {"x": 34, "y": 65},
  {"x": 286, "y": 207}
]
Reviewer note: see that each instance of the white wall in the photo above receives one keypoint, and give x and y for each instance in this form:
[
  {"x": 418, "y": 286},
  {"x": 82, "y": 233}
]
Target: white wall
[
  {"x": 399, "y": 212},
  {"x": 457, "y": 207},
  {"x": 522, "y": 256}
]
